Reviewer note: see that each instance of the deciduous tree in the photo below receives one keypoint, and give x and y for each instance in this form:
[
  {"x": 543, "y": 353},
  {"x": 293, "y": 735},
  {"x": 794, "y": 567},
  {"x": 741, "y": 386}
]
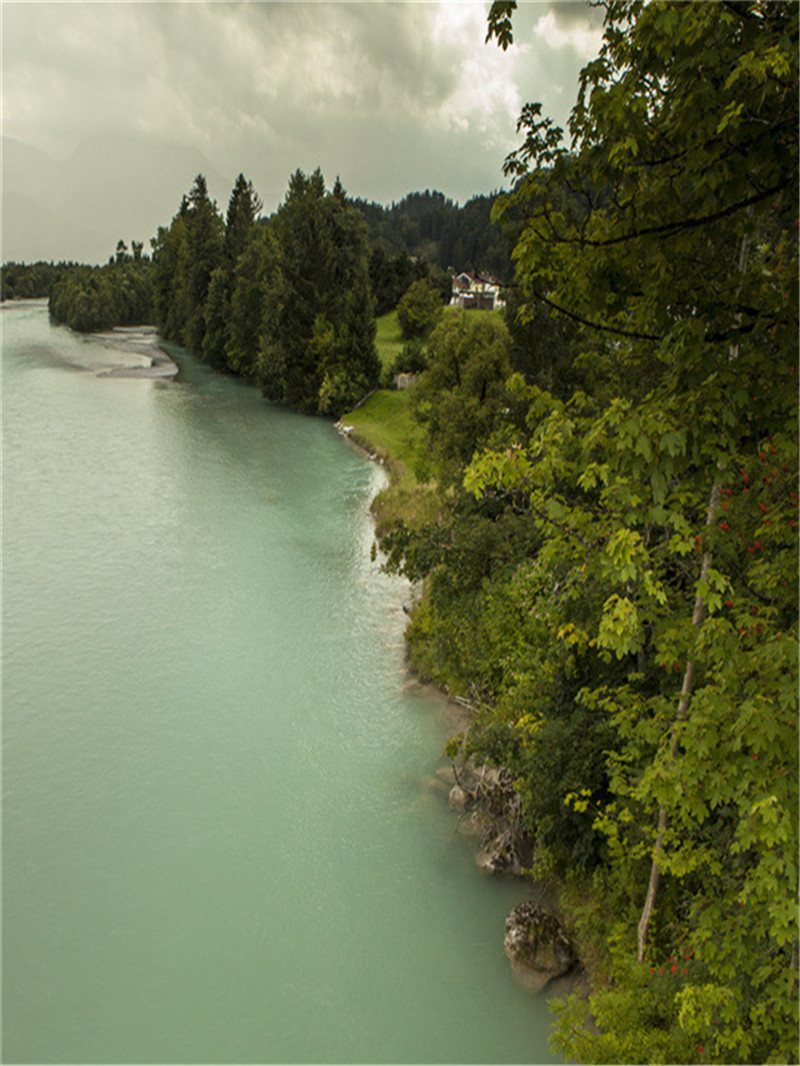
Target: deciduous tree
[
  {"x": 419, "y": 310},
  {"x": 667, "y": 231}
]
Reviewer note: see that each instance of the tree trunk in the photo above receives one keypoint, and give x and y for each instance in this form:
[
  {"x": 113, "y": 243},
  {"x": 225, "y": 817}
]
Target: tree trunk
[
  {"x": 688, "y": 677},
  {"x": 683, "y": 709}
]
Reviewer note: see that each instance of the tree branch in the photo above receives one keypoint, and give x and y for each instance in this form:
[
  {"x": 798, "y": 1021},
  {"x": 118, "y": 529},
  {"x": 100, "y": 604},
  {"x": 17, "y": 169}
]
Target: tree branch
[
  {"x": 683, "y": 709},
  {"x": 670, "y": 229},
  {"x": 634, "y": 334}
]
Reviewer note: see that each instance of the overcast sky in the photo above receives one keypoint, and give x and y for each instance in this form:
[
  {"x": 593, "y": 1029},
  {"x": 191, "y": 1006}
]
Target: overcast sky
[{"x": 391, "y": 96}]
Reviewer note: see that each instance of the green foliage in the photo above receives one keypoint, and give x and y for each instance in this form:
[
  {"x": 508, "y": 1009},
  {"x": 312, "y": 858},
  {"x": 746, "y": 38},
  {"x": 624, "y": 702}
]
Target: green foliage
[
  {"x": 89, "y": 299},
  {"x": 318, "y": 331},
  {"x": 635, "y": 1017},
  {"x": 426, "y": 235},
  {"x": 413, "y": 359},
  {"x": 545, "y": 347},
  {"x": 612, "y": 579},
  {"x": 668, "y": 497},
  {"x": 229, "y": 340},
  {"x": 250, "y": 293},
  {"x": 217, "y": 317},
  {"x": 28, "y": 281},
  {"x": 418, "y": 311},
  {"x": 391, "y": 275},
  {"x": 192, "y": 277},
  {"x": 285, "y": 303},
  {"x": 202, "y": 255},
  {"x": 169, "y": 282},
  {"x": 500, "y": 25},
  {"x": 244, "y": 208},
  {"x": 461, "y": 397}
]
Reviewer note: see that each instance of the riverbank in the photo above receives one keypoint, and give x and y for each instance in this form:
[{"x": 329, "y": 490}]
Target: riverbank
[
  {"x": 484, "y": 801},
  {"x": 384, "y": 428}
]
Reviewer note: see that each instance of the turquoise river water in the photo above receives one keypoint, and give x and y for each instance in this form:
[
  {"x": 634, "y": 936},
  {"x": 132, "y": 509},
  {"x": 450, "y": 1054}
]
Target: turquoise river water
[{"x": 219, "y": 840}]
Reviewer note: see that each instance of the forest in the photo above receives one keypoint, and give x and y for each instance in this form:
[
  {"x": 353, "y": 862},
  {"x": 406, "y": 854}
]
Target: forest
[
  {"x": 261, "y": 296},
  {"x": 429, "y": 226}
]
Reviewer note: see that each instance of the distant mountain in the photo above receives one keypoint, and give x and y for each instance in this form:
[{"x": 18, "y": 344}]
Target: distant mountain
[{"x": 110, "y": 187}]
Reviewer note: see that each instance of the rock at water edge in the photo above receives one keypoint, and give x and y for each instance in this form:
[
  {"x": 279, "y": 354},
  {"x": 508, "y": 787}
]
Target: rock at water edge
[{"x": 537, "y": 945}]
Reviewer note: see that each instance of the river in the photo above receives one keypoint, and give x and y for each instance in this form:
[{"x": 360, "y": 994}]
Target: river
[{"x": 219, "y": 839}]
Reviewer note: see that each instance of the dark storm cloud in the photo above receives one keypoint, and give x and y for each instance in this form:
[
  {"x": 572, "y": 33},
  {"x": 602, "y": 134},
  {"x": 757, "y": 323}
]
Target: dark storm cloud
[{"x": 392, "y": 96}]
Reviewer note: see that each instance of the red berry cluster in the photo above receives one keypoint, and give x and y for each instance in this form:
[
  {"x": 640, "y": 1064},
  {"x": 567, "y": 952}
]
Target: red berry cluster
[{"x": 675, "y": 964}]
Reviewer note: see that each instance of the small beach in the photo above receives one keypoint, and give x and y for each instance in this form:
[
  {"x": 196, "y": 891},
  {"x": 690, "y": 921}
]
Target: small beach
[{"x": 140, "y": 341}]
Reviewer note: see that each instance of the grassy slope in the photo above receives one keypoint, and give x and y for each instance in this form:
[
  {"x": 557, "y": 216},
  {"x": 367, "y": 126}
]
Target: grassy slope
[
  {"x": 384, "y": 425},
  {"x": 388, "y": 339}
]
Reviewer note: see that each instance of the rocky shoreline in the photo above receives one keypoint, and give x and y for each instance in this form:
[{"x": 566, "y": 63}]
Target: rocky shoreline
[
  {"x": 539, "y": 948},
  {"x": 485, "y": 808}
]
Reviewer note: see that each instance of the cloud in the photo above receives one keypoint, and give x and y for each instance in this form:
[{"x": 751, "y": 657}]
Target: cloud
[
  {"x": 580, "y": 36},
  {"x": 391, "y": 95},
  {"x": 484, "y": 93},
  {"x": 555, "y": 40}
]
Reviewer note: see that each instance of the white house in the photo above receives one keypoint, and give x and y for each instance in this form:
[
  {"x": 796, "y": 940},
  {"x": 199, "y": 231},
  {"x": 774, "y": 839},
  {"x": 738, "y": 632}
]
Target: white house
[{"x": 480, "y": 291}]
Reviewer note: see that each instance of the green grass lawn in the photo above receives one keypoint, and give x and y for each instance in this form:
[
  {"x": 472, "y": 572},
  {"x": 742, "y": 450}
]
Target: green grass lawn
[
  {"x": 385, "y": 426},
  {"x": 388, "y": 339}
]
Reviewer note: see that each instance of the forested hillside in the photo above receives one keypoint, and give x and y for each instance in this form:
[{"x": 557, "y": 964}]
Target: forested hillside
[
  {"x": 611, "y": 576},
  {"x": 427, "y": 225}
]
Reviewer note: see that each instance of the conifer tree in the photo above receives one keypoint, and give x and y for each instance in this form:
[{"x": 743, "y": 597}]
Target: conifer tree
[
  {"x": 204, "y": 246},
  {"x": 317, "y": 348},
  {"x": 244, "y": 209}
]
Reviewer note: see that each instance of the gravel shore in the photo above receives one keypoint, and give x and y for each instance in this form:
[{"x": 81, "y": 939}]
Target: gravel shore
[{"x": 140, "y": 341}]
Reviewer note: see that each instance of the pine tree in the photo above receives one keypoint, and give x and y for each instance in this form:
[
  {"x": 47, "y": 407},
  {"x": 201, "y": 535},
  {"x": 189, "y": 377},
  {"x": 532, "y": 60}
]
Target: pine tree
[{"x": 204, "y": 247}]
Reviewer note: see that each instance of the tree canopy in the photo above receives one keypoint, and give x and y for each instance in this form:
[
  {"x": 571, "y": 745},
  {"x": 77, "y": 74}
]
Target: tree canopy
[
  {"x": 647, "y": 619},
  {"x": 89, "y": 298},
  {"x": 419, "y": 310},
  {"x": 284, "y": 301}
]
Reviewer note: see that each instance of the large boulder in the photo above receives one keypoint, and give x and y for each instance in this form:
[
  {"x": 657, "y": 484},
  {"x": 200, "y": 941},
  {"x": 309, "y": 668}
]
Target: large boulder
[
  {"x": 499, "y": 854},
  {"x": 537, "y": 945}
]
